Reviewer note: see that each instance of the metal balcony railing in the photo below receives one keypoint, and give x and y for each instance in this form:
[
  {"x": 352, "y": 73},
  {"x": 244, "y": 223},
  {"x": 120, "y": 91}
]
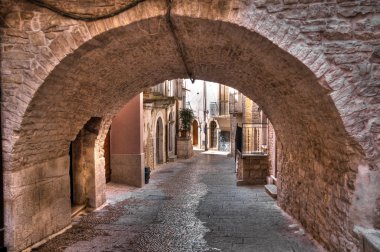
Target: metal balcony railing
[
  {"x": 252, "y": 139},
  {"x": 171, "y": 88}
]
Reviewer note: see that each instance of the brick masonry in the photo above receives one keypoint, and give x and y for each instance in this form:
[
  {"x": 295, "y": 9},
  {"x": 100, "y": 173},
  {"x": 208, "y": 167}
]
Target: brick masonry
[
  {"x": 253, "y": 170},
  {"x": 184, "y": 147},
  {"x": 312, "y": 66}
]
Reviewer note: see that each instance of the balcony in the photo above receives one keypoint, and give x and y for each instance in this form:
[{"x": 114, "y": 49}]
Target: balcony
[
  {"x": 168, "y": 89},
  {"x": 235, "y": 103},
  {"x": 252, "y": 139}
]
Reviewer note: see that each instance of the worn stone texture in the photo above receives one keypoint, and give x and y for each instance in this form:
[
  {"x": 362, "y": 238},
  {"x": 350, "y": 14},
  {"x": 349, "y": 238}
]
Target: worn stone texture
[
  {"x": 37, "y": 195},
  {"x": 252, "y": 170},
  {"x": 272, "y": 150},
  {"x": 208, "y": 214},
  {"x": 124, "y": 169},
  {"x": 87, "y": 167},
  {"x": 184, "y": 147},
  {"x": 312, "y": 66}
]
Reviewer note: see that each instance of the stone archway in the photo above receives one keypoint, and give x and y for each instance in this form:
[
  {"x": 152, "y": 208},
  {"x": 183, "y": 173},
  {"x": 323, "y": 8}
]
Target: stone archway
[
  {"x": 59, "y": 72},
  {"x": 83, "y": 166}
]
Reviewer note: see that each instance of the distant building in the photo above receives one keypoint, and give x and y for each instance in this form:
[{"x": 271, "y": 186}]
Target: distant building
[
  {"x": 220, "y": 111},
  {"x": 161, "y": 106},
  {"x": 211, "y": 126}
]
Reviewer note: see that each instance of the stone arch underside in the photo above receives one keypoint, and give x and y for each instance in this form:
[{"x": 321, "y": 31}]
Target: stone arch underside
[{"x": 320, "y": 159}]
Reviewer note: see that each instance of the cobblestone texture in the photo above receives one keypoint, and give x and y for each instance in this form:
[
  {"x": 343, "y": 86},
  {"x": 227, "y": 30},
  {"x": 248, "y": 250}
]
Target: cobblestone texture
[
  {"x": 191, "y": 205},
  {"x": 244, "y": 218}
]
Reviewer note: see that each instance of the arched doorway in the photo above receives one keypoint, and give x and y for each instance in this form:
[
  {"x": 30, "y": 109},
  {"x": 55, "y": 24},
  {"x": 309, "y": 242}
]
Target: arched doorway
[
  {"x": 171, "y": 134},
  {"x": 276, "y": 64},
  {"x": 195, "y": 132},
  {"x": 159, "y": 141},
  {"x": 82, "y": 165},
  {"x": 213, "y": 135}
]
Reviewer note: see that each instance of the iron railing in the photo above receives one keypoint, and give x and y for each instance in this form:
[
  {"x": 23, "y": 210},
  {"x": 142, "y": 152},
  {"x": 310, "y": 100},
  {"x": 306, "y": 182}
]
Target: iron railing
[
  {"x": 171, "y": 88},
  {"x": 253, "y": 139}
]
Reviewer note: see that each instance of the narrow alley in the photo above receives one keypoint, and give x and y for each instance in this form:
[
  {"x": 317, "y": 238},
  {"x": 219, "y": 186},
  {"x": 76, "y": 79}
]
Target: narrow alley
[{"x": 189, "y": 205}]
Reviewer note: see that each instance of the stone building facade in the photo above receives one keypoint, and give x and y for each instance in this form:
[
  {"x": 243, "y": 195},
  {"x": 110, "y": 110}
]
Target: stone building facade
[
  {"x": 316, "y": 62},
  {"x": 161, "y": 106},
  {"x": 209, "y": 102},
  {"x": 254, "y": 148}
]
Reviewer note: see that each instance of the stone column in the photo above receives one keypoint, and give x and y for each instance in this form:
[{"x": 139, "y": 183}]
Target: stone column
[{"x": 127, "y": 155}]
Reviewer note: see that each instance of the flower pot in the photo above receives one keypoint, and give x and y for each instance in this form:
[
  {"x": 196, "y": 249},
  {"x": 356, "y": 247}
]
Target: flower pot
[{"x": 184, "y": 133}]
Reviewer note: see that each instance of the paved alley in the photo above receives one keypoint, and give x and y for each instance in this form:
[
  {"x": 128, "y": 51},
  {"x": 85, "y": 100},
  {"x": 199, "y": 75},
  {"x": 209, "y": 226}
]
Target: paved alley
[{"x": 189, "y": 205}]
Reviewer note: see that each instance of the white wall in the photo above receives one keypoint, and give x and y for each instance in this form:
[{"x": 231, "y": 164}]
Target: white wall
[{"x": 195, "y": 96}]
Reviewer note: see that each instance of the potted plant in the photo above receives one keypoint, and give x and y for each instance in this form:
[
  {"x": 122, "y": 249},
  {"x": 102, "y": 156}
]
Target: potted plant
[{"x": 187, "y": 116}]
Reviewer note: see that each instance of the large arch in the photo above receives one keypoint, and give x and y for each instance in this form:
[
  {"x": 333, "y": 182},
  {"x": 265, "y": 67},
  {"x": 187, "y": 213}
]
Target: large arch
[{"x": 70, "y": 69}]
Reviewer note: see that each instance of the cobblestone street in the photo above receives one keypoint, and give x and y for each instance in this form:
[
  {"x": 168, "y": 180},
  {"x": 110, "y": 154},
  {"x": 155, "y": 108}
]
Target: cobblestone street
[{"x": 189, "y": 205}]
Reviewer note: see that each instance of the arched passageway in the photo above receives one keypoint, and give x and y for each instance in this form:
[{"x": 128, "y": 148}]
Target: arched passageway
[{"x": 70, "y": 69}]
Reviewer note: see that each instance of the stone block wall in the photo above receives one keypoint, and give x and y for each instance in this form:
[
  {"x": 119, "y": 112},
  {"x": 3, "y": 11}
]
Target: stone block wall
[
  {"x": 251, "y": 112},
  {"x": 253, "y": 170},
  {"x": 184, "y": 147},
  {"x": 37, "y": 202},
  {"x": 148, "y": 136},
  {"x": 272, "y": 150},
  {"x": 313, "y": 66},
  {"x": 128, "y": 169}
]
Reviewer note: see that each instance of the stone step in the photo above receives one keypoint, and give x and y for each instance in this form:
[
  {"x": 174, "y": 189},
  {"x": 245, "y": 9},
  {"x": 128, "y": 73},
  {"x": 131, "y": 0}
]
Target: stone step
[
  {"x": 370, "y": 239},
  {"x": 240, "y": 183},
  {"x": 76, "y": 209},
  {"x": 271, "y": 190},
  {"x": 172, "y": 158}
]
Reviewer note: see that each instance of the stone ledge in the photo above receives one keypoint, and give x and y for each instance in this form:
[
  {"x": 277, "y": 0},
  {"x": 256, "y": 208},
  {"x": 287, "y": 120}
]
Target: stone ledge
[
  {"x": 271, "y": 190},
  {"x": 172, "y": 158},
  {"x": 240, "y": 183},
  {"x": 40, "y": 243},
  {"x": 370, "y": 239}
]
